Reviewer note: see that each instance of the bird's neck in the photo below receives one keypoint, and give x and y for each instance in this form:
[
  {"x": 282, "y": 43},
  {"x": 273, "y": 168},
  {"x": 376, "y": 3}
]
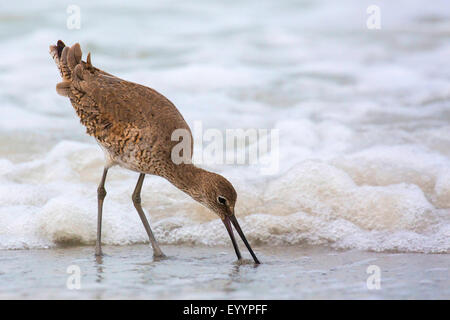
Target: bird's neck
[{"x": 188, "y": 178}]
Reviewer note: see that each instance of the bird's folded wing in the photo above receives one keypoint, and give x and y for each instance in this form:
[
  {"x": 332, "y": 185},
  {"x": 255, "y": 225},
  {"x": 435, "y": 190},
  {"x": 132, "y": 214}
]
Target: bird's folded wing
[
  {"x": 99, "y": 94},
  {"x": 115, "y": 99}
]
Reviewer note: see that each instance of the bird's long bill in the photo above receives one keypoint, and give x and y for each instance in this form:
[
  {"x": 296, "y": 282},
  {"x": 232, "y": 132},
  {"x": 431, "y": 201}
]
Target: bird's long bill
[{"x": 227, "y": 224}]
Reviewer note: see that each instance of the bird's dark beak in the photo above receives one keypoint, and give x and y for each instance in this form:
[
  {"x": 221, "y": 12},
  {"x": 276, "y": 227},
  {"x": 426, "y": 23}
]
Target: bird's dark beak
[{"x": 227, "y": 222}]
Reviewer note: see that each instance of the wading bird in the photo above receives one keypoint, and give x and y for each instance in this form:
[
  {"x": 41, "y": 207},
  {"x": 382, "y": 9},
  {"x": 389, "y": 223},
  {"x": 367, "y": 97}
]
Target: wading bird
[{"x": 133, "y": 124}]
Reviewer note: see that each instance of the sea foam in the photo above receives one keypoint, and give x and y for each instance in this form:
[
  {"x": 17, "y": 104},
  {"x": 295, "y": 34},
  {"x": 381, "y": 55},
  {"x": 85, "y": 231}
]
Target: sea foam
[{"x": 52, "y": 200}]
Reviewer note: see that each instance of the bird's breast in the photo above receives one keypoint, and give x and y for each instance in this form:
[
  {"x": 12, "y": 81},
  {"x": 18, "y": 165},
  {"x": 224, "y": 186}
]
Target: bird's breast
[{"x": 136, "y": 149}]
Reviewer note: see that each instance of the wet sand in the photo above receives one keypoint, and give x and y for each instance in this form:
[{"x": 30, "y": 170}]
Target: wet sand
[{"x": 130, "y": 272}]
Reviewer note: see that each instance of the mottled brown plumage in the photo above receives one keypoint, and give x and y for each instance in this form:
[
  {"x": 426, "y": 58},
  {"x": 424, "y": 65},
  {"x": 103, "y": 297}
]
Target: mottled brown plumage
[{"x": 134, "y": 124}]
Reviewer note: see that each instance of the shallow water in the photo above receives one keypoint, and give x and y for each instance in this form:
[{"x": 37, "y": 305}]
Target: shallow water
[
  {"x": 130, "y": 272},
  {"x": 363, "y": 118}
]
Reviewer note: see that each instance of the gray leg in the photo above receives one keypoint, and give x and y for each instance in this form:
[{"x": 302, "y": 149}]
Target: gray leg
[
  {"x": 137, "y": 204},
  {"x": 101, "y": 194}
]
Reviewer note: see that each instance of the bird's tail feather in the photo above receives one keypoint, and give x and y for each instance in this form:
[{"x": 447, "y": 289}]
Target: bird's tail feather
[{"x": 66, "y": 59}]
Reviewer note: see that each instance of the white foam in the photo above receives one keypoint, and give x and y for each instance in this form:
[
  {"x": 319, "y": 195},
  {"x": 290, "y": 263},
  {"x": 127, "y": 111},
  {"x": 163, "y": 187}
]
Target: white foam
[
  {"x": 362, "y": 116},
  {"x": 314, "y": 203}
]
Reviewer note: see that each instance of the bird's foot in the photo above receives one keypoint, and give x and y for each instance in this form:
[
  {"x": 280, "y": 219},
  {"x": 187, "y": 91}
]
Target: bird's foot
[{"x": 158, "y": 254}]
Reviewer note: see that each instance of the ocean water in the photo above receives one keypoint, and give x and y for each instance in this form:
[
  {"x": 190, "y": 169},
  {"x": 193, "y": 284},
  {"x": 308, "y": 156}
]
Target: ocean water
[
  {"x": 363, "y": 118},
  {"x": 203, "y": 272}
]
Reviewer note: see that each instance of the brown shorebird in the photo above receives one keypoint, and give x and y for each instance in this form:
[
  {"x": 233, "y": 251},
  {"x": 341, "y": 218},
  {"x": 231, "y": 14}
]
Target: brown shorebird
[{"x": 133, "y": 124}]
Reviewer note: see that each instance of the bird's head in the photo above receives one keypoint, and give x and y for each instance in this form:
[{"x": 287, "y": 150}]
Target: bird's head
[
  {"x": 214, "y": 192},
  {"x": 218, "y": 194}
]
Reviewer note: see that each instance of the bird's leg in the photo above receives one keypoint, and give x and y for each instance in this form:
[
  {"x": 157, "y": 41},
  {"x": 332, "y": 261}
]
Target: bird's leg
[
  {"x": 137, "y": 204},
  {"x": 101, "y": 194}
]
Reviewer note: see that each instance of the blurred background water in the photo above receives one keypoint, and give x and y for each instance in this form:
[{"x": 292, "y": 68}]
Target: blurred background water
[{"x": 363, "y": 117}]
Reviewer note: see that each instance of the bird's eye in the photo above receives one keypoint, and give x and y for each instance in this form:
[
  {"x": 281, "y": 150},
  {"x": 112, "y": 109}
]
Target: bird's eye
[{"x": 221, "y": 200}]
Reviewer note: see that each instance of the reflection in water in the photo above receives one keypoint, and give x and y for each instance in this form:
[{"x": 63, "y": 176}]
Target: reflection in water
[
  {"x": 237, "y": 274},
  {"x": 145, "y": 272},
  {"x": 99, "y": 263}
]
